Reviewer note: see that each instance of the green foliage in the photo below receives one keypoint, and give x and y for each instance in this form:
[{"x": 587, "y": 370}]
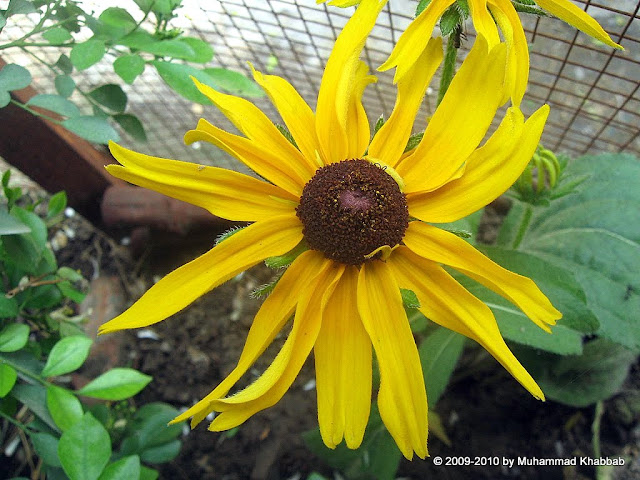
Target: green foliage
[
  {"x": 40, "y": 341},
  {"x": 439, "y": 354}
]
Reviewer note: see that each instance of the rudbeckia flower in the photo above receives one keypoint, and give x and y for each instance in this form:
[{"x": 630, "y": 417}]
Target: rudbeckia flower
[
  {"x": 363, "y": 210},
  {"x": 488, "y": 16}
]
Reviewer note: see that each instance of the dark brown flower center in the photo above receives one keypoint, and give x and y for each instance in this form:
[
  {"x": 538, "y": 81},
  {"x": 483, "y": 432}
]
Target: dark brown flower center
[{"x": 351, "y": 208}]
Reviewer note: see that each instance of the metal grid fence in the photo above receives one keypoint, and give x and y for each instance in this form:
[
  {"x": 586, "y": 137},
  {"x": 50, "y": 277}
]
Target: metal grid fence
[{"x": 592, "y": 89}]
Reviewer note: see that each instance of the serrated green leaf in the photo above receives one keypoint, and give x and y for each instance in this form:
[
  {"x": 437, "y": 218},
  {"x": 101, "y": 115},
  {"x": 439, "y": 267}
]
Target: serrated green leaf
[
  {"x": 10, "y": 225},
  {"x": 57, "y": 36},
  {"x": 67, "y": 355},
  {"x": 8, "y": 377},
  {"x": 13, "y": 337},
  {"x": 111, "y": 96},
  {"x": 64, "y": 407},
  {"x": 91, "y": 128},
  {"x": 55, "y": 103},
  {"x": 65, "y": 85},
  {"x": 128, "y": 67},
  {"x": 127, "y": 468},
  {"x": 439, "y": 354},
  {"x": 46, "y": 447},
  {"x": 84, "y": 449},
  {"x": 202, "y": 51},
  {"x": 132, "y": 125},
  {"x": 14, "y": 77},
  {"x": 234, "y": 82},
  {"x": 116, "y": 384},
  {"x": 450, "y": 19},
  {"x": 57, "y": 204},
  {"x": 88, "y": 53},
  {"x": 177, "y": 76}
]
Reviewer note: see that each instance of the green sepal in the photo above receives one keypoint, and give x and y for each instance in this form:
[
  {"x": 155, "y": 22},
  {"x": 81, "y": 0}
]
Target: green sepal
[
  {"x": 287, "y": 259},
  {"x": 265, "y": 289},
  {"x": 414, "y": 141},
  {"x": 286, "y": 134},
  {"x": 232, "y": 231}
]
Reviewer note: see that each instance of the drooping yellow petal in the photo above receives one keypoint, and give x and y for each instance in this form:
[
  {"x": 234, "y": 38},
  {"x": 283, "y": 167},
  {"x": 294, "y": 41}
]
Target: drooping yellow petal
[
  {"x": 390, "y": 141},
  {"x": 224, "y": 193},
  {"x": 273, "y": 314},
  {"x": 269, "y": 388},
  {"x": 578, "y": 18},
  {"x": 343, "y": 367},
  {"x": 358, "y": 131},
  {"x": 460, "y": 121},
  {"x": 490, "y": 171},
  {"x": 446, "y": 302},
  {"x": 286, "y": 175},
  {"x": 295, "y": 112},
  {"x": 253, "y": 123},
  {"x": 274, "y": 236},
  {"x": 338, "y": 86},
  {"x": 443, "y": 247},
  {"x": 414, "y": 39},
  {"x": 517, "y": 73},
  {"x": 483, "y": 22},
  {"x": 402, "y": 399}
]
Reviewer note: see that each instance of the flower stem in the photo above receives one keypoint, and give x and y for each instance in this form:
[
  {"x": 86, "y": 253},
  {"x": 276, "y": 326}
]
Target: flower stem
[
  {"x": 449, "y": 66},
  {"x": 526, "y": 219}
]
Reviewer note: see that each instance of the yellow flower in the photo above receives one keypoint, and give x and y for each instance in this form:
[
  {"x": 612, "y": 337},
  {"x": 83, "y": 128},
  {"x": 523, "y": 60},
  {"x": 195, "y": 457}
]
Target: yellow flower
[
  {"x": 348, "y": 197},
  {"x": 485, "y": 15}
]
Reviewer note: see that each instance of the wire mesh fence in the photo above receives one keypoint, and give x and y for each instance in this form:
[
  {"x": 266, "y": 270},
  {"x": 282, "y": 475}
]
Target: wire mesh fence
[{"x": 592, "y": 89}]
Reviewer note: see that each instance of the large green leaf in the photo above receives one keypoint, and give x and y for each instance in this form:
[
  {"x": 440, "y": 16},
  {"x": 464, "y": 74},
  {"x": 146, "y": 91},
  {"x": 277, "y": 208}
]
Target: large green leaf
[
  {"x": 116, "y": 22},
  {"x": 67, "y": 355},
  {"x": 595, "y": 234},
  {"x": 13, "y": 337},
  {"x": 234, "y": 82},
  {"x": 64, "y": 407},
  {"x": 14, "y": 77},
  {"x": 10, "y": 225},
  {"x": 111, "y": 96},
  {"x": 8, "y": 377},
  {"x": 94, "y": 129},
  {"x": 439, "y": 353},
  {"x": 87, "y": 53},
  {"x": 202, "y": 51},
  {"x": 57, "y": 36},
  {"x": 35, "y": 398},
  {"x": 65, "y": 85},
  {"x": 84, "y": 449},
  {"x": 178, "y": 75},
  {"x": 128, "y": 67},
  {"x": 127, "y": 468},
  {"x": 116, "y": 384},
  {"x": 132, "y": 125},
  {"x": 55, "y": 103},
  {"x": 46, "y": 447}
]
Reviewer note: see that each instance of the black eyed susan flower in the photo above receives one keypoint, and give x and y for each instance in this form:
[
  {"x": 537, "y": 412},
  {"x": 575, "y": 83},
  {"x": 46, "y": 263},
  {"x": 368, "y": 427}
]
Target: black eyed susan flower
[{"x": 363, "y": 208}]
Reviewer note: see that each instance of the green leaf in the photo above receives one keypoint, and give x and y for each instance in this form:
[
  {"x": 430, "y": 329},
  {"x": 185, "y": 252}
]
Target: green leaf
[
  {"x": 202, "y": 51},
  {"x": 67, "y": 355},
  {"x": 3, "y": 21},
  {"x": 127, "y": 468},
  {"x": 147, "y": 473},
  {"x": 57, "y": 36},
  {"x": 439, "y": 354},
  {"x": 132, "y": 125},
  {"x": 111, "y": 96},
  {"x": 8, "y": 377},
  {"x": 91, "y": 128},
  {"x": 8, "y": 306},
  {"x": 169, "y": 48},
  {"x": 65, "y": 85},
  {"x": 57, "y": 204},
  {"x": 116, "y": 22},
  {"x": 64, "y": 407},
  {"x": 14, "y": 77},
  {"x": 5, "y": 98},
  {"x": 450, "y": 19},
  {"x": 64, "y": 64},
  {"x": 177, "y": 76},
  {"x": 162, "y": 453},
  {"x": 409, "y": 298},
  {"x": 70, "y": 274},
  {"x": 13, "y": 337},
  {"x": 149, "y": 427},
  {"x": 17, "y": 7},
  {"x": 234, "y": 82},
  {"x": 10, "y": 225},
  {"x": 128, "y": 67},
  {"x": 594, "y": 233},
  {"x": 70, "y": 292},
  {"x": 422, "y": 4},
  {"x": 84, "y": 449},
  {"x": 46, "y": 447},
  {"x": 55, "y": 103},
  {"x": 116, "y": 384},
  {"x": 581, "y": 380},
  {"x": 87, "y": 53},
  {"x": 35, "y": 398}
]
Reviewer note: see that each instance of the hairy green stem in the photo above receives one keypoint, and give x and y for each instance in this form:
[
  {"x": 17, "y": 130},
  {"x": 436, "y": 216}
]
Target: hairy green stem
[
  {"x": 449, "y": 65},
  {"x": 526, "y": 219}
]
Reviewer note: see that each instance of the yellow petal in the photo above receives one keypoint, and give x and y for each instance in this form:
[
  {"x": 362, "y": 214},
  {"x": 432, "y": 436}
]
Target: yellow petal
[
  {"x": 390, "y": 141},
  {"x": 273, "y": 314},
  {"x": 343, "y": 367},
  {"x": 284, "y": 173},
  {"x": 214, "y": 189},
  {"x": 338, "y": 82},
  {"x": 446, "y": 302},
  {"x": 402, "y": 399},
  {"x": 274, "y": 236},
  {"x": 358, "y": 131},
  {"x": 269, "y": 388},
  {"x": 295, "y": 112},
  {"x": 517, "y": 74},
  {"x": 490, "y": 171},
  {"x": 578, "y": 18},
  {"x": 414, "y": 40},
  {"x": 256, "y": 126},
  {"x": 443, "y": 247},
  {"x": 460, "y": 121},
  {"x": 483, "y": 22}
]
